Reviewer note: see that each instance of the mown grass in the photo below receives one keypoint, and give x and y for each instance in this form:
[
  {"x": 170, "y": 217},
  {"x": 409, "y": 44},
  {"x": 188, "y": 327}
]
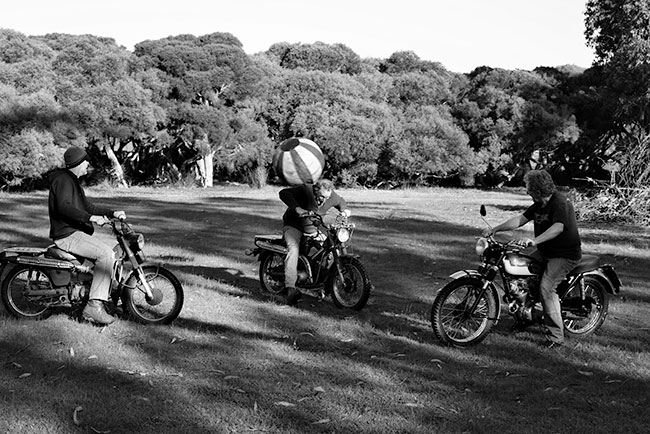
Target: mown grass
[{"x": 239, "y": 361}]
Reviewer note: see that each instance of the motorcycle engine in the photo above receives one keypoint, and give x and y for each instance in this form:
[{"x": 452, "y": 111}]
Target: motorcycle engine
[
  {"x": 78, "y": 292},
  {"x": 519, "y": 289},
  {"x": 521, "y": 298}
]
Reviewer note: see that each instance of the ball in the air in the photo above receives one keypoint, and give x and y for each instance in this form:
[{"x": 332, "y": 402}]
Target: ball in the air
[{"x": 298, "y": 161}]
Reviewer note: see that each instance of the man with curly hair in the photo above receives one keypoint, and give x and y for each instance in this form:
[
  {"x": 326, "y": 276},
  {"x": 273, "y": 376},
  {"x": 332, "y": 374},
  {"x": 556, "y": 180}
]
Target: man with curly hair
[{"x": 556, "y": 238}]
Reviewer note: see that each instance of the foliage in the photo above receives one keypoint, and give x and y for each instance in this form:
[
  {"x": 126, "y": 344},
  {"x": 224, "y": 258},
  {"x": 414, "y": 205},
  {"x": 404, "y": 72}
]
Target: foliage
[{"x": 176, "y": 103}]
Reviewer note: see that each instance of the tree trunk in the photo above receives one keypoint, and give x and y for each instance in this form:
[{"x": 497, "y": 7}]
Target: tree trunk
[
  {"x": 204, "y": 166},
  {"x": 118, "y": 172}
]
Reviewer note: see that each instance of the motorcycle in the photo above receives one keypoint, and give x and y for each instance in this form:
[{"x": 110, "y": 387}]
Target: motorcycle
[
  {"x": 325, "y": 267},
  {"x": 41, "y": 280},
  {"x": 465, "y": 309}
]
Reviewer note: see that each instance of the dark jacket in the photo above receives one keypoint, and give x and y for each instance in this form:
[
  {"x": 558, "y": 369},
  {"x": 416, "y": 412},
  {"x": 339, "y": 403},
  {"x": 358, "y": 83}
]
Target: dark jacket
[
  {"x": 69, "y": 208},
  {"x": 303, "y": 196}
]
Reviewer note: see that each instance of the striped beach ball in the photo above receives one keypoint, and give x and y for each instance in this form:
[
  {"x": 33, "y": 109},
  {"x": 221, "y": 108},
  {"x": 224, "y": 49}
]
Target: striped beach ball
[{"x": 298, "y": 161}]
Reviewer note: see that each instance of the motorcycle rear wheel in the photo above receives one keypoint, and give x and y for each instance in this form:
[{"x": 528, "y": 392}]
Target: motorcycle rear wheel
[
  {"x": 353, "y": 292},
  {"x": 595, "y": 290},
  {"x": 15, "y": 292},
  {"x": 451, "y": 319},
  {"x": 167, "y": 301},
  {"x": 272, "y": 273}
]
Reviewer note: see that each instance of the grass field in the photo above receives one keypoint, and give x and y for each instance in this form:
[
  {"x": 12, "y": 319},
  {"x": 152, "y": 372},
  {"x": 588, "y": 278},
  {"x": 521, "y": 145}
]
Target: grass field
[{"x": 239, "y": 361}]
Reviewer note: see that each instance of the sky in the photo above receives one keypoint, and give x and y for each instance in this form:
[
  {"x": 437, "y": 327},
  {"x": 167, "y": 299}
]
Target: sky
[{"x": 460, "y": 34}]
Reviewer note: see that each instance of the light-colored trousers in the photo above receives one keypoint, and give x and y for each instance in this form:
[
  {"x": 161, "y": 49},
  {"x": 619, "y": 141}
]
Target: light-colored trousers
[
  {"x": 82, "y": 244},
  {"x": 292, "y": 237}
]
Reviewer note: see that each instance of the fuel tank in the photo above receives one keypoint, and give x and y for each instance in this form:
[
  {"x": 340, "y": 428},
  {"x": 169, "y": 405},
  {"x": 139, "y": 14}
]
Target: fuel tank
[{"x": 520, "y": 265}]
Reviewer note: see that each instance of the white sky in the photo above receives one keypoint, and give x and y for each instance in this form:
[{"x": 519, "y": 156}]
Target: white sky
[{"x": 460, "y": 34}]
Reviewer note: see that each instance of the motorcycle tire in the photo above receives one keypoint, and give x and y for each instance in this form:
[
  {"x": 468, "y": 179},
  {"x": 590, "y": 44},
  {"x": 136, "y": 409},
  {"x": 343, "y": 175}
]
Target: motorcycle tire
[
  {"x": 451, "y": 319},
  {"x": 167, "y": 299},
  {"x": 354, "y": 291},
  {"x": 272, "y": 273},
  {"x": 595, "y": 290},
  {"x": 15, "y": 289}
]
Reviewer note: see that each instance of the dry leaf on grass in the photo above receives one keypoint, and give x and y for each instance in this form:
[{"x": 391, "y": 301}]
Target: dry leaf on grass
[
  {"x": 95, "y": 430},
  {"x": 25, "y": 375},
  {"x": 285, "y": 404},
  {"x": 76, "y": 418},
  {"x": 585, "y": 373},
  {"x": 320, "y": 422}
]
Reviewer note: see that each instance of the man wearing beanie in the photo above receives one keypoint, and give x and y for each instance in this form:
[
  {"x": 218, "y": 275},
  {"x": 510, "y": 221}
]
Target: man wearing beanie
[{"x": 71, "y": 227}]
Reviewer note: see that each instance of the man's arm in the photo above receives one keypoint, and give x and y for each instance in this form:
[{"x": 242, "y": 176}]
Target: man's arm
[
  {"x": 511, "y": 224},
  {"x": 290, "y": 198},
  {"x": 550, "y": 233},
  {"x": 341, "y": 205}
]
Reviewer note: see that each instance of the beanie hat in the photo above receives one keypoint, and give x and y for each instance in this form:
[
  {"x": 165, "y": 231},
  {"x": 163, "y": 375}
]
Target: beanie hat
[{"x": 74, "y": 156}]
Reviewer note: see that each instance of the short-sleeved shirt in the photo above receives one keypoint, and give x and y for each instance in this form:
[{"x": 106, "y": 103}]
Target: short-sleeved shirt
[{"x": 557, "y": 210}]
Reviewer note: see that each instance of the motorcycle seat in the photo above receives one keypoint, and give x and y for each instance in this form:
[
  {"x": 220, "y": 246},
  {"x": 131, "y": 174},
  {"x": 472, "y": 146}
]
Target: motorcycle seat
[
  {"x": 273, "y": 238},
  {"x": 54, "y": 252},
  {"x": 587, "y": 263}
]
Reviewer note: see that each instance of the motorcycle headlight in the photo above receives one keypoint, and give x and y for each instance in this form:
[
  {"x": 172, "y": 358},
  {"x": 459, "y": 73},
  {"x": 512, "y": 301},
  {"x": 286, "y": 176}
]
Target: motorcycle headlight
[
  {"x": 136, "y": 240},
  {"x": 481, "y": 246},
  {"x": 343, "y": 235}
]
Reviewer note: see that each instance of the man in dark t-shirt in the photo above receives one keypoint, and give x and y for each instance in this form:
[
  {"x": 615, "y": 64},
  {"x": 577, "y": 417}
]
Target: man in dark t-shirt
[{"x": 556, "y": 238}]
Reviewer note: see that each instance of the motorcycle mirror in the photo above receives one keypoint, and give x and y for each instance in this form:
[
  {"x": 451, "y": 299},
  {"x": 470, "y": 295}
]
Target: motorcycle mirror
[{"x": 483, "y": 211}]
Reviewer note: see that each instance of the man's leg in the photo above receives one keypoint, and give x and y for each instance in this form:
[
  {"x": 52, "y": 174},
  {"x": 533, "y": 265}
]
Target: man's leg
[
  {"x": 556, "y": 270},
  {"x": 89, "y": 247},
  {"x": 292, "y": 237}
]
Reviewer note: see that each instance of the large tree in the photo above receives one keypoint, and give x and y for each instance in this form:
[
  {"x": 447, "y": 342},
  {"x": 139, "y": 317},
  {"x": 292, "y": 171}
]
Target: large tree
[{"x": 619, "y": 32}]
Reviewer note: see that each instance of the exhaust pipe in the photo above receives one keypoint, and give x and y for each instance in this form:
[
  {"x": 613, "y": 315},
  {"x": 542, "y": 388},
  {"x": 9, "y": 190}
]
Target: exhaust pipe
[{"x": 44, "y": 262}]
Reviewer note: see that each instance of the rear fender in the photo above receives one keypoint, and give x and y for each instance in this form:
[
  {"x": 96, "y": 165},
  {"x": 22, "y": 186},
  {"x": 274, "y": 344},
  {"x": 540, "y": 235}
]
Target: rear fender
[{"x": 608, "y": 276}]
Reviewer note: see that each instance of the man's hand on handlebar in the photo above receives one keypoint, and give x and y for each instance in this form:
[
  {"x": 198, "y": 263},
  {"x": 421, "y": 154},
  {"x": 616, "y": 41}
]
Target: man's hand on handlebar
[
  {"x": 99, "y": 220},
  {"x": 524, "y": 242},
  {"x": 120, "y": 215}
]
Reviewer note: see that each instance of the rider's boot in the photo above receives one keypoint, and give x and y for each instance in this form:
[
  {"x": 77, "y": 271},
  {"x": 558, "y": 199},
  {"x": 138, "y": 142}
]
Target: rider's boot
[
  {"x": 292, "y": 296},
  {"x": 95, "y": 312}
]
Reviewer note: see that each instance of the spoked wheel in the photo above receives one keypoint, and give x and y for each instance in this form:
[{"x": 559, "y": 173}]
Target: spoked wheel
[
  {"x": 167, "y": 300},
  {"x": 20, "y": 292},
  {"x": 354, "y": 290},
  {"x": 593, "y": 312},
  {"x": 272, "y": 273},
  {"x": 463, "y": 313}
]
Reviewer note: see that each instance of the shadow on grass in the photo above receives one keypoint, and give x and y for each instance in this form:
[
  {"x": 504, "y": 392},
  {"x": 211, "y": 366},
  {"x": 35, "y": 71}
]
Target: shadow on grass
[{"x": 408, "y": 259}]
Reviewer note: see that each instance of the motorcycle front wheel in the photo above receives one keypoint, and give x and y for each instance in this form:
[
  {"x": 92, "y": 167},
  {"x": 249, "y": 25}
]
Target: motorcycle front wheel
[
  {"x": 583, "y": 325},
  {"x": 167, "y": 300},
  {"x": 354, "y": 290},
  {"x": 272, "y": 273},
  {"x": 454, "y": 321},
  {"x": 19, "y": 292}
]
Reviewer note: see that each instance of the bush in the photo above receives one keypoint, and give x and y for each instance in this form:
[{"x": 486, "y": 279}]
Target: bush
[{"x": 614, "y": 205}]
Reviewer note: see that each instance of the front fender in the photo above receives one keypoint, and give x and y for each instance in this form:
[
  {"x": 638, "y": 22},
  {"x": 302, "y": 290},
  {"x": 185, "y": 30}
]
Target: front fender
[
  {"x": 463, "y": 273},
  {"x": 493, "y": 289}
]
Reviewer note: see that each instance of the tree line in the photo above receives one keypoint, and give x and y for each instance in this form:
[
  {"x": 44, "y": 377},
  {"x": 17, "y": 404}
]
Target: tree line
[{"x": 199, "y": 109}]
